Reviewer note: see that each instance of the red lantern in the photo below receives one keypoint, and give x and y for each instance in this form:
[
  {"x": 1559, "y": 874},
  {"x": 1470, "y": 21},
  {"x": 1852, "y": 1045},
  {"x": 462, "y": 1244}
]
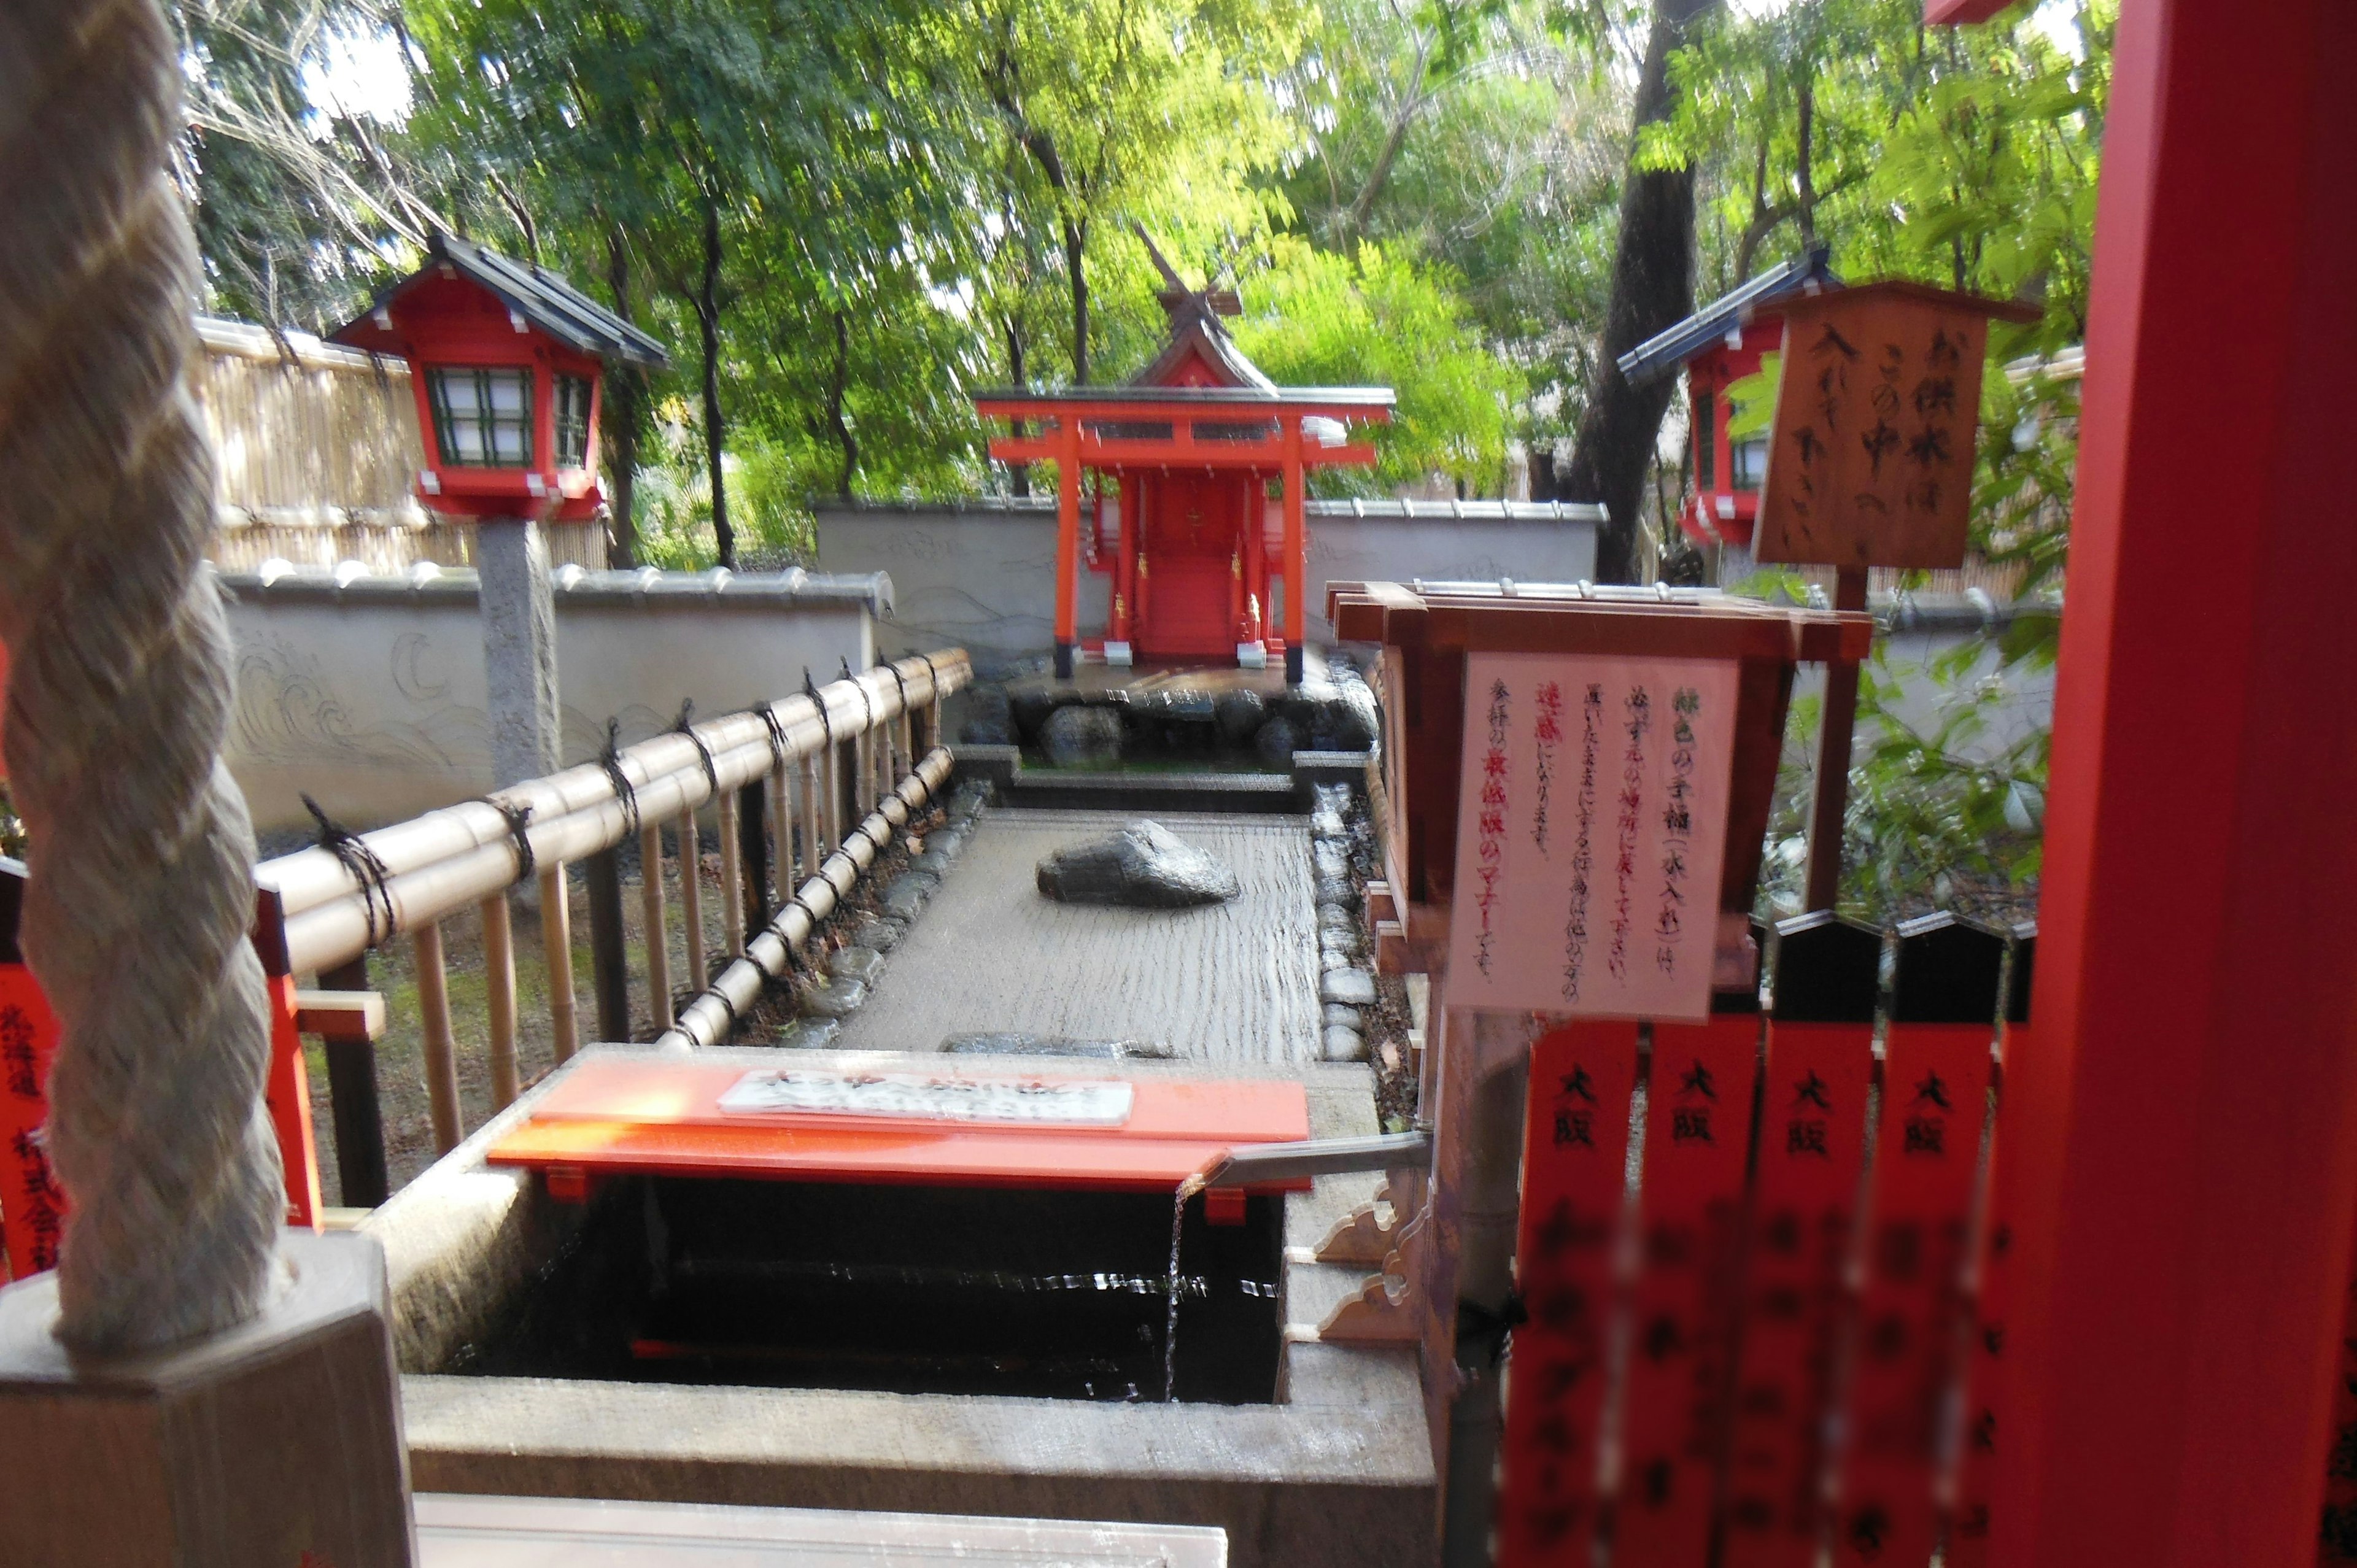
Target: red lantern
[{"x": 506, "y": 361}]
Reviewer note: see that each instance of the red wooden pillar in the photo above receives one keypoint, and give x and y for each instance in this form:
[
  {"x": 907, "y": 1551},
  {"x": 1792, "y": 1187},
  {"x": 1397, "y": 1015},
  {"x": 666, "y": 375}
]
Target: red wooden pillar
[
  {"x": 1296, "y": 551},
  {"x": 1124, "y": 577},
  {"x": 1068, "y": 542},
  {"x": 1256, "y": 525},
  {"x": 2189, "y": 1122}
]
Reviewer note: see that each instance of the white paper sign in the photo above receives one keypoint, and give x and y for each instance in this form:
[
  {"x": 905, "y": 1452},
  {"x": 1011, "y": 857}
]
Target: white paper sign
[
  {"x": 917, "y": 1097},
  {"x": 1591, "y": 825}
]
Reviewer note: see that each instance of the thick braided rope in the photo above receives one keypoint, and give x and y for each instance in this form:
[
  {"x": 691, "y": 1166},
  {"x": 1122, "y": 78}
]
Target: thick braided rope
[{"x": 141, "y": 889}]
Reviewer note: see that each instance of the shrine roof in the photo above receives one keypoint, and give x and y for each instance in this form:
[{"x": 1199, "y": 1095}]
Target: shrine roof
[
  {"x": 540, "y": 297},
  {"x": 1664, "y": 352}
]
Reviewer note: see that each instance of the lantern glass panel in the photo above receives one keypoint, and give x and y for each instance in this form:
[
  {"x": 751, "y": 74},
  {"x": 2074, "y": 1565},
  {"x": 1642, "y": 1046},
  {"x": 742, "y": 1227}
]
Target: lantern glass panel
[
  {"x": 1750, "y": 461},
  {"x": 572, "y": 420},
  {"x": 482, "y": 418}
]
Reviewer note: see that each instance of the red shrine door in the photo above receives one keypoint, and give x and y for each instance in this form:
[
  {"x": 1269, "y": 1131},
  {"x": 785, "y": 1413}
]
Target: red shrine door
[{"x": 1192, "y": 565}]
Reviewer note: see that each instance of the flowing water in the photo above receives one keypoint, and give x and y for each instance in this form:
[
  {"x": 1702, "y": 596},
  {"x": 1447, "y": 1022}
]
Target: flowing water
[{"x": 1186, "y": 1190}]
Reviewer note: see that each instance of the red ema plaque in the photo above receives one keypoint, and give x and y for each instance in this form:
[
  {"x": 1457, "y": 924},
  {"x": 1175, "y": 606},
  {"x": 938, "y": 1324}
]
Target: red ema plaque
[{"x": 1878, "y": 404}]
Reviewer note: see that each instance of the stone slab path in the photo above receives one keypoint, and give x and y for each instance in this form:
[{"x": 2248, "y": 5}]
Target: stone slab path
[{"x": 1234, "y": 982}]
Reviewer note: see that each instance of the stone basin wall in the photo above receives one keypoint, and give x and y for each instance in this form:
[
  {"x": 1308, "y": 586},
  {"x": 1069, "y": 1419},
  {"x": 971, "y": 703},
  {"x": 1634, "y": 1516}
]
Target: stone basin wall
[{"x": 1339, "y": 1470}]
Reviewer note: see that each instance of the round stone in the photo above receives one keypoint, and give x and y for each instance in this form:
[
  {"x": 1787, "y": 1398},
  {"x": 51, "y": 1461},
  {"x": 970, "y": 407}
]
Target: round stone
[
  {"x": 1342, "y": 1045},
  {"x": 1340, "y": 1016},
  {"x": 855, "y": 963},
  {"x": 835, "y": 999},
  {"x": 809, "y": 1033},
  {"x": 877, "y": 934},
  {"x": 1082, "y": 737},
  {"x": 1352, "y": 987}
]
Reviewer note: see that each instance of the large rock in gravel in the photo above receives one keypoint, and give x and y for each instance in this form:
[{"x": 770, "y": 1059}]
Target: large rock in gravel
[
  {"x": 1082, "y": 737},
  {"x": 1144, "y": 865}
]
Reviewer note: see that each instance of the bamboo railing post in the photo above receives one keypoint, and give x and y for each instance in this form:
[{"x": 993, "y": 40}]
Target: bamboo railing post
[
  {"x": 556, "y": 942},
  {"x": 732, "y": 879},
  {"x": 781, "y": 834},
  {"x": 441, "y": 1060},
  {"x": 690, "y": 895},
  {"x": 651, "y": 896},
  {"x": 815, "y": 814},
  {"x": 608, "y": 955},
  {"x": 500, "y": 998}
]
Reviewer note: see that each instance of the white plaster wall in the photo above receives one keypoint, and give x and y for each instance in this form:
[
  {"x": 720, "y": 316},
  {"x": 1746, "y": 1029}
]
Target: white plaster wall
[
  {"x": 984, "y": 578},
  {"x": 375, "y": 706},
  {"x": 1400, "y": 550}
]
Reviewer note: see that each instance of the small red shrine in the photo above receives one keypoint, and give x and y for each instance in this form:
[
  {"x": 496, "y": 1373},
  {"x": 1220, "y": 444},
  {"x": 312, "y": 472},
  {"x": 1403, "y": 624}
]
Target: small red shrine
[
  {"x": 505, "y": 360},
  {"x": 1718, "y": 346},
  {"x": 1191, "y": 450}
]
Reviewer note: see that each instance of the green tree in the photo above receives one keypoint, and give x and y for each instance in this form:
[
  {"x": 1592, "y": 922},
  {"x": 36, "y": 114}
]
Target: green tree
[
  {"x": 1319, "y": 319},
  {"x": 1151, "y": 109}
]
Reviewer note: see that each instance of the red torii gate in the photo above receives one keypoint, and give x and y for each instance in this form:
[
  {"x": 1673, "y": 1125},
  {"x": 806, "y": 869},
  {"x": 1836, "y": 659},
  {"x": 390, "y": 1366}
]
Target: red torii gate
[{"x": 1191, "y": 446}]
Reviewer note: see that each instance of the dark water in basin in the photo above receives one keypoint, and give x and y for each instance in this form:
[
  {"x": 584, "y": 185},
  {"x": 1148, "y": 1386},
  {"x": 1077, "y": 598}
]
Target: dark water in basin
[{"x": 903, "y": 1289}]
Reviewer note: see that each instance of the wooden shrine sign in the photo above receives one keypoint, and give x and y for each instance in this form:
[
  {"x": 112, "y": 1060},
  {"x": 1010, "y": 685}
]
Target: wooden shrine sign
[
  {"x": 1593, "y": 823},
  {"x": 1877, "y": 406}
]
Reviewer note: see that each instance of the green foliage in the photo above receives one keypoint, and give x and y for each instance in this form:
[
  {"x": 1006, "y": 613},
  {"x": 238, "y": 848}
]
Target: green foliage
[
  {"x": 1944, "y": 811},
  {"x": 1751, "y": 400},
  {"x": 1322, "y": 320}
]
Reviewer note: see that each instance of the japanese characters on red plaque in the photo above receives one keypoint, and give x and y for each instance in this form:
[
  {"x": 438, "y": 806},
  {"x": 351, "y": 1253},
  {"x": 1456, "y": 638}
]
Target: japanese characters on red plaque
[
  {"x": 1877, "y": 405},
  {"x": 32, "y": 1205},
  {"x": 1594, "y": 805}
]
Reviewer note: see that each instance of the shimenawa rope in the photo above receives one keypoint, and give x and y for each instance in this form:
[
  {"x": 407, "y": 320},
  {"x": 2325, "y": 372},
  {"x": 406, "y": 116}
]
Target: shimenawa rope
[{"x": 140, "y": 896}]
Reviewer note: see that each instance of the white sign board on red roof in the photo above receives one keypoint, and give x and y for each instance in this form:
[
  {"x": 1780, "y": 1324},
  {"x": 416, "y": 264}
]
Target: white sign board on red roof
[{"x": 1592, "y": 827}]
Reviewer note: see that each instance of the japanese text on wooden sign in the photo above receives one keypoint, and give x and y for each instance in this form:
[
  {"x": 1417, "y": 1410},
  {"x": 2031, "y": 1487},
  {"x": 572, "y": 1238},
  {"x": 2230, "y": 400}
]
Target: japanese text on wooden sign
[
  {"x": 1878, "y": 404},
  {"x": 1592, "y": 827}
]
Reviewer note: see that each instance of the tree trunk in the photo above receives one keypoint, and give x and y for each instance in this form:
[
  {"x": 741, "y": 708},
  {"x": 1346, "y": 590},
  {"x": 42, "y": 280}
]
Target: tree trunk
[
  {"x": 1018, "y": 475},
  {"x": 834, "y": 391},
  {"x": 618, "y": 420},
  {"x": 707, "y": 316},
  {"x": 1652, "y": 289},
  {"x": 1808, "y": 163},
  {"x": 1076, "y": 238},
  {"x": 1411, "y": 104}
]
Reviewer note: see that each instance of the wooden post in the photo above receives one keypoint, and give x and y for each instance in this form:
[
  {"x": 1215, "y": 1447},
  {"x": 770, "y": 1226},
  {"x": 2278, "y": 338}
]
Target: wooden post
[
  {"x": 658, "y": 932},
  {"x": 2187, "y": 1118},
  {"x": 500, "y": 998},
  {"x": 361, "y": 1172},
  {"x": 441, "y": 1056},
  {"x": 691, "y": 895},
  {"x": 1068, "y": 542},
  {"x": 556, "y": 944},
  {"x": 1834, "y": 738},
  {"x": 608, "y": 956}
]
